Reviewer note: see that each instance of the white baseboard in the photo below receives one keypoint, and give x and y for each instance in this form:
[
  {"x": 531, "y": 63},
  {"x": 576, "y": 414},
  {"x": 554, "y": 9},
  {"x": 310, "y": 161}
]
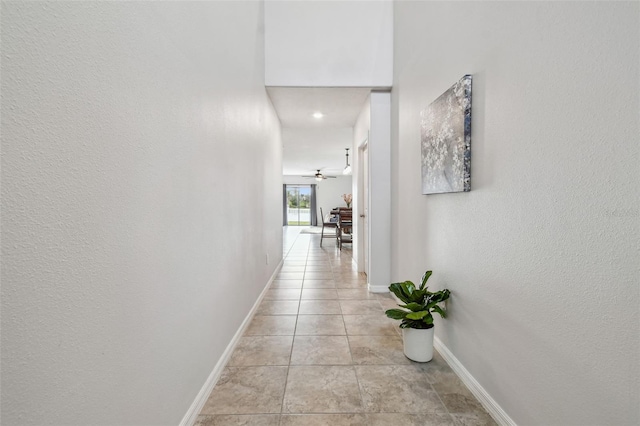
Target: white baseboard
[
  {"x": 192, "y": 414},
  {"x": 498, "y": 414},
  {"x": 378, "y": 288}
]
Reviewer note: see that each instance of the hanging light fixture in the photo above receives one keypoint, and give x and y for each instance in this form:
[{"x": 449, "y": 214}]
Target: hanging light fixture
[{"x": 347, "y": 169}]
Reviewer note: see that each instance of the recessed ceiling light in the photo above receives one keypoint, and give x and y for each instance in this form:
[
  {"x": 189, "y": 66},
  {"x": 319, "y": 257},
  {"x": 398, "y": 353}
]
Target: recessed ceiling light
[{"x": 318, "y": 115}]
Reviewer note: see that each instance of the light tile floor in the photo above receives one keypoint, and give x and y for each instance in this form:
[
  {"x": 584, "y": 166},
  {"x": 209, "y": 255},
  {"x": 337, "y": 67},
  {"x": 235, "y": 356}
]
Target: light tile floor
[{"x": 320, "y": 351}]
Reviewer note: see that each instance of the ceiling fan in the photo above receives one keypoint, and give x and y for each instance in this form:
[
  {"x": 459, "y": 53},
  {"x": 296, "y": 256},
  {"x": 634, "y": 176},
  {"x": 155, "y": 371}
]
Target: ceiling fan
[{"x": 319, "y": 176}]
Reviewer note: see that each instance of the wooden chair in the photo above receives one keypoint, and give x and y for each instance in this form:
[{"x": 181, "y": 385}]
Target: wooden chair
[
  {"x": 327, "y": 224},
  {"x": 345, "y": 225}
]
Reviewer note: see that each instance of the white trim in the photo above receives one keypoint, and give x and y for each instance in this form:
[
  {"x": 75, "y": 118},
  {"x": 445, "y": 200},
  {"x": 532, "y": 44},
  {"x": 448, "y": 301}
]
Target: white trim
[
  {"x": 192, "y": 414},
  {"x": 361, "y": 209},
  {"x": 498, "y": 414},
  {"x": 378, "y": 288},
  {"x": 379, "y": 154}
]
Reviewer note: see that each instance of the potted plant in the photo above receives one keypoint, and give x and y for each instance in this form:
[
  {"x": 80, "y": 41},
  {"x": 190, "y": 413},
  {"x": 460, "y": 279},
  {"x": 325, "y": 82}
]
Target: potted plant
[
  {"x": 416, "y": 317},
  {"x": 348, "y": 198}
]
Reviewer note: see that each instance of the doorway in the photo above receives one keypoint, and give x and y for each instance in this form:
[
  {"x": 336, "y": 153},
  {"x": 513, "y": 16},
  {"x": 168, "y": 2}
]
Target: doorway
[
  {"x": 363, "y": 208},
  {"x": 298, "y": 205}
]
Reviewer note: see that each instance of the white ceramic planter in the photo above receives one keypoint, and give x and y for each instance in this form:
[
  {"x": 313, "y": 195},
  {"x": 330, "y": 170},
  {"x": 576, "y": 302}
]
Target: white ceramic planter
[{"x": 418, "y": 344}]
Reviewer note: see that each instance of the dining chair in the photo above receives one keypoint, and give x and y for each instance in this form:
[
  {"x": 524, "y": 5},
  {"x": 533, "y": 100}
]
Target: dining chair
[
  {"x": 345, "y": 226},
  {"x": 326, "y": 222}
]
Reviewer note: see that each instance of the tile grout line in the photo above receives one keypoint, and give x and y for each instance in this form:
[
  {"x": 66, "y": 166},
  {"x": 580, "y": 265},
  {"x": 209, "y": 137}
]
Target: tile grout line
[
  {"x": 284, "y": 393},
  {"x": 353, "y": 365},
  {"x": 293, "y": 340},
  {"x": 317, "y": 257},
  {"x": 443, "y": 404}
]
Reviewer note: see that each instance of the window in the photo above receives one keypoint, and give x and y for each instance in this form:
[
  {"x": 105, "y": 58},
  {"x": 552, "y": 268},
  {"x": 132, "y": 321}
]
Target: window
[{"x": 298, "y": 205}]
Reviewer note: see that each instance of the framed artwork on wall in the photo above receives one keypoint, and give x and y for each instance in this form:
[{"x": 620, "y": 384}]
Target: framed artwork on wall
[{"x": 445, "y": 133}]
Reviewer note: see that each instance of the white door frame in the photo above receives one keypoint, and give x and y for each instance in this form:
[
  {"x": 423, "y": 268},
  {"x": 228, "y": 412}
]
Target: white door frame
[
  {"x": 363, "y": 237},
  {"x": 379, "y": 154}
]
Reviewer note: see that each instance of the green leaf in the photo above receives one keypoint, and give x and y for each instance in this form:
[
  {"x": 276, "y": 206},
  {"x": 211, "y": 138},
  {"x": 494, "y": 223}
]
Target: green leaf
[
  {"x": 396, "y": 288},
  {"x": 408, "y": 287},
  {"x": 405, "y": 291},
  {"x": 417, "y": 315},
  {"x": 419, "y": 295},
  {"x": 439, "y": 310},
  {"x": 413, "y": 306},
  {"x": 425, "y": 278},
  {"x": 440, "y": 296},
  {"x": 420, "y": 324},
  {"x": 397, "y": 314}
]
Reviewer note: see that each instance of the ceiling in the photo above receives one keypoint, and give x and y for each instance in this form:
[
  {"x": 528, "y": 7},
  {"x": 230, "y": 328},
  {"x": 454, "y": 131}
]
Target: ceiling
[{"x": 316, "y": 143}]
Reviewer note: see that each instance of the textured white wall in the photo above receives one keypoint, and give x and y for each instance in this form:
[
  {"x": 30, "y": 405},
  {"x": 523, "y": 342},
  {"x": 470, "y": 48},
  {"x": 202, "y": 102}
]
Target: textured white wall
[
  {"x": 329, "y": 43},
  {"x": 373, "y": 126},
  {"x": 141, "y": 187},
  {"x": 330, "y": 159},
  {"x": 542, "y": 255},
  {"x": 360, "y": 135},
  {"x": 380, "y": 193}
]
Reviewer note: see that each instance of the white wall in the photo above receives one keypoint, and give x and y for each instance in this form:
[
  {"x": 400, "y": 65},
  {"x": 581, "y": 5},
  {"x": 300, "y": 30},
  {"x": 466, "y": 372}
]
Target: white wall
[
  {"x": 328, "y": 192},
  {"x": 141, "y": 188},
  {"x": 328, "y": 43},
  {"x": 379, "y": 151},
  {"x": 327, "y": 144},
  {"x": 373, "y": 127},
  {"x": 360, "y": 135},
  {"x": 542, "y": 255}
]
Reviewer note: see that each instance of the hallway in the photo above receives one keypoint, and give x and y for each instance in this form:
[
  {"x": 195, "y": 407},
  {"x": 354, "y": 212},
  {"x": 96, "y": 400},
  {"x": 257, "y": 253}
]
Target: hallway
[{"x": 321, "y": 351}]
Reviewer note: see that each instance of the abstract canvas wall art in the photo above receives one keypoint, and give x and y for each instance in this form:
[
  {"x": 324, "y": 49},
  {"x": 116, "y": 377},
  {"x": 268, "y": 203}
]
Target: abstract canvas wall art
[{"x": 445, "y": 131}]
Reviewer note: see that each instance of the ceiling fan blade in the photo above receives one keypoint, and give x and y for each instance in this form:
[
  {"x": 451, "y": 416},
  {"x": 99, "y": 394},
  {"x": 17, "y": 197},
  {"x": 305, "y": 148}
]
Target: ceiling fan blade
[{"x": 319, "y": 176}]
